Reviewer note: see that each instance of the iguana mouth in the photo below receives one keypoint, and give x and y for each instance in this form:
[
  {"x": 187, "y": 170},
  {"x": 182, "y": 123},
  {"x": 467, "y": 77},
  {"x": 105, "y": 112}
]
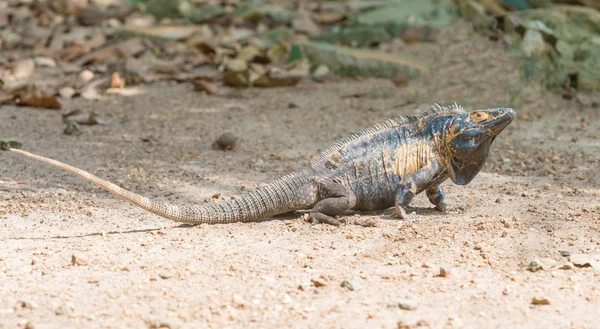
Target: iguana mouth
[{"x": 501, "y": 118}]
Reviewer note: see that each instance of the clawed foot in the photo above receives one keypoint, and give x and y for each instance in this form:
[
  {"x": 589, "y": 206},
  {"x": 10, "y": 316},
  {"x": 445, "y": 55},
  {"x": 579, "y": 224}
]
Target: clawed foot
[
  {"x": 318, "y": 217},
  {"x": 399, "y": 212},
  {"x": 314, "y": 217},
  {"x": 443, "y": 206}
]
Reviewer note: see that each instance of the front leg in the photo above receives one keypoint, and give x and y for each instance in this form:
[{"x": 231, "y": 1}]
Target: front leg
[
  {"x": 404, "y": 196},
  {"x": 436, "y": 196}
]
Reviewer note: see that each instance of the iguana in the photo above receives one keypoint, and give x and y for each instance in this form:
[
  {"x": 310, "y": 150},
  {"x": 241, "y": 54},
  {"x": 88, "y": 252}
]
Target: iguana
[{"x": 380, "y": 167}]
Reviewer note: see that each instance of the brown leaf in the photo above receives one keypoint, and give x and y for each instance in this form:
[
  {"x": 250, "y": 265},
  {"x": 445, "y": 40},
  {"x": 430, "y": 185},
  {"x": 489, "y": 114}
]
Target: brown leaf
[
  {"x": 418, "y": 34},
  {"x": 165, "y": 32},
  {"x": 205, "y": 86},
  {"x": 303, "y": 23},
  {"x": 116, "y": 81},
  {"x": 328, "y": 17},
  {"x": 5, "y": 97},
  {"x": 123, "y": 49},
  {"x": 91, "y": 15},
  {"x": 289, "y": 76},
  {"x": 47, "y": 102}
]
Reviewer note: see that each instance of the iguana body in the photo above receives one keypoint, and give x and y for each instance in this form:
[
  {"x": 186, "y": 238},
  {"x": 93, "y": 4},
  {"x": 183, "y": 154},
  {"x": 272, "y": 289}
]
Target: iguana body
[{"x": 377, "y": 168}]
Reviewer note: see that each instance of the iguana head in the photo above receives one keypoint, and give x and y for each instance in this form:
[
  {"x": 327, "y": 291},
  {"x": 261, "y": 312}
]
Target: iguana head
[{"x": 468, "y": 139}]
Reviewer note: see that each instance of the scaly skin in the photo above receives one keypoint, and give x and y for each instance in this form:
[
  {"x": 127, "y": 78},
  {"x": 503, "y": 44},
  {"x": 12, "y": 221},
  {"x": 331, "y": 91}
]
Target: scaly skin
[{"x": 377, "y": 168}]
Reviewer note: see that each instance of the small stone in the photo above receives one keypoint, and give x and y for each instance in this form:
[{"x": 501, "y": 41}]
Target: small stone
[
  {"x": 506, "y": 160},
  {"x": 353, "y": 283},
  {"x": 535, "y": 265},
  {"x": 28, "y": 304},
  {"x": 66, "y": 92},
  {"x": 540, "y": 301},
  {"x": 72, "y": 128},
  {"x": 319, "y": 282},
  {"x": 43, "y": 61},
  {"x": 462, "y": 207},
  {"x": 567, "y": 266},
  {"x": 444, "y": 271},
  {"x": 63, "y": 310},
  {"x": 305, "y": 286},
  {"x": 405, "y": 304},
  {"x": 225, "y": 142},
  {"x": 163, "y": 324},
  {"x": 166, "y": 275},
  {"x": 84, "y": 77},
  {"x": 402, "y": 325},
  {"x": 320, "y": 73},
  {"x": 582, "y": 260},
  {"x": 565, "y": 253},
  {"x": 79, "y": 260},
  {"x": 548, "y": 263}
]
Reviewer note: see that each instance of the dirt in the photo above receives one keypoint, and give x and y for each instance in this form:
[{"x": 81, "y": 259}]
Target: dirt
[{"x": 73, "y": 256}]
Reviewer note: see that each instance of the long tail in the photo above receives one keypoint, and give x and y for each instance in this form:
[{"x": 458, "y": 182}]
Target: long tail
[{"x": 281, "y": 196}]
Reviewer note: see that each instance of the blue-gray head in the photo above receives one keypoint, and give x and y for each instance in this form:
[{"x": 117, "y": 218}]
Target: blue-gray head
[{"x": 467, "y": 140}]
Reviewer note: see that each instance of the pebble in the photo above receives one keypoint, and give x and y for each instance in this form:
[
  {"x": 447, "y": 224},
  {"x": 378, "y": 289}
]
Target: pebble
[
  {"x": 43, "y": 61},
  {"x": 319, "y": 282},
  {"x": 28, "y": 304},
  {"x": 79, "y": 260},
  {"x": 582, "y": 260},
  {"x": 163, "y": 323},
  {"x": 565, "y": 253},
  {"x": 567, "y": 266},
  {"x": 85, "y": 76},
  {"x": 535, "y": 265},
  {"x": 353, "y": 283},
  {"x": 226, "y": 142},
  {"x": 166, "y": 275},
  {"x": 63, "y": 310},
  {"x": 444, "y": 271},
  {"x": 305, "y": 286},
  {"x": 540, "y": 301},
  {"x": 405, "y": 304},
  {"x": 66, "y": 92}
]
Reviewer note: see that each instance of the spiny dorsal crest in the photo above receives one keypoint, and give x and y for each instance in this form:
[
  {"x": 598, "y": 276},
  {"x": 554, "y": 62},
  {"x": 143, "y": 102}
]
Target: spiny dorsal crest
[{"x": 434, "y": 111}]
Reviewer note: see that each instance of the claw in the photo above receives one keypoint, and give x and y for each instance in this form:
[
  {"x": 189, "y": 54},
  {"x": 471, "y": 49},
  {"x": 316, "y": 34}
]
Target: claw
[{"x": 399, "y": 212}]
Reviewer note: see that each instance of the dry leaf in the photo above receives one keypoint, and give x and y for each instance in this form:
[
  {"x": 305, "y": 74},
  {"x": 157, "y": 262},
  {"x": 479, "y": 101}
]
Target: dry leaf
[
  {"x": 91, "y": 90},
  {"x": 19, "y": 70},
  {"x": 303, "y": 23},
  {"x": 164, "y": 32},
  {"x": 206, "y": 86},
  {"x": 5, "y": 98},
  {"x": 116, "y": 81},
  {"x": 47, "y": 102},
  {"x": 328, "y": 17},
  {"x": 123, "y": 49}
]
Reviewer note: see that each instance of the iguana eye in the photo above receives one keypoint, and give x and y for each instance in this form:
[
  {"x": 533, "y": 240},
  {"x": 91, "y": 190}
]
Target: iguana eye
[{"x": 479, "y": 116}]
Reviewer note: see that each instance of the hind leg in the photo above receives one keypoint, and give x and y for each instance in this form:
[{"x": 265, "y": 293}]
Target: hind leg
[
  {"x": 436, "y": 196},
  {"x": 335, "y": 199}
]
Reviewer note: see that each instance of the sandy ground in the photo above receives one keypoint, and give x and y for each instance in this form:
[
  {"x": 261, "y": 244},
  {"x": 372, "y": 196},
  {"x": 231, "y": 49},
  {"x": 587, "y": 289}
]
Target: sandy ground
[{"x": 536, "y": 197}]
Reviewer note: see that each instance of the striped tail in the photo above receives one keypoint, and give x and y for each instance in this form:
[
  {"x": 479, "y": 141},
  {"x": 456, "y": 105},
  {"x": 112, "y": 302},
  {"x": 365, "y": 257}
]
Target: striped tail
[{"x": 279, "y": 197}]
